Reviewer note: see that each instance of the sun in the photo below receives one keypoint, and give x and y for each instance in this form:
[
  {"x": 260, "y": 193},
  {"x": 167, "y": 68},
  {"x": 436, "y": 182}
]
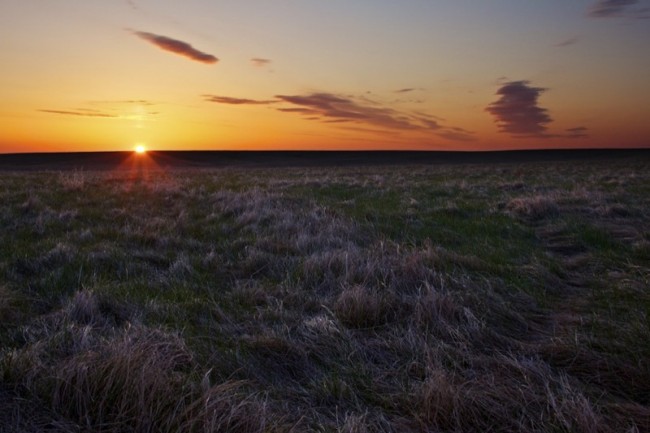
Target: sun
[{"x": 140, "y": 149}]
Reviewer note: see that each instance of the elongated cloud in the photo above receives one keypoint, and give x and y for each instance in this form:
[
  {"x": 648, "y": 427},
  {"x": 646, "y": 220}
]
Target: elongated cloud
[
  {"x": 516, "y": 111},
  {"x": 336, "y": 109},
  {"x": 236, "y": 101},
  {"x": 80, "y": 113},
  {"x": 259, "y": 62},
  {"x": 577, "y": 132},
  {"x": 567, "y": 42},
  {"x": 617, "y": 8},
  {"x": 331, "y": 108},
  {"x": 177, "y": 47}
]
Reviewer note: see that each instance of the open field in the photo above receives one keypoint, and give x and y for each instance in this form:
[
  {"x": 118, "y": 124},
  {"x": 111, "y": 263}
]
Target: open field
[{"x": 507, "y": 297}]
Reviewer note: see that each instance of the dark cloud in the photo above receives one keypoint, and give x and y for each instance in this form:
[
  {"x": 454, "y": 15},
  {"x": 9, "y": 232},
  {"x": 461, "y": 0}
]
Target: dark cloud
[
  {"x": 177, "y": 47},
  {"x": 82, "y": 112},
  {"x": 617, "y": 8},
  {"x": 406, "y": 90},
  {"x": 330, "y": 108},
  {"x": 516, "y": 111},
  {"x": 259, "y": 62},
  {"x": 236, "y": 101}
]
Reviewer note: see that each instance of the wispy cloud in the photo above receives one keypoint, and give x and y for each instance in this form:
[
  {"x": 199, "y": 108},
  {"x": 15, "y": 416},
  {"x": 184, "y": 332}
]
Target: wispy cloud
[
  {"x": 177, "y": 47},
  {"x": 81, "y": 112},
  {"x": 516, "y": 111},
  {"x": 577, "y": 132},
  {"x": 236, "y": 101},
  {"x": 358, "y": 113},
  {"x": 259, "y": 62},
  {"x": 140, "y": 102},
  {"x": 618, "y": 8},
  {"x": 405, "y": 90},
  {"x": 331, "y": 108},
  {"x": 567, "y": 42}
]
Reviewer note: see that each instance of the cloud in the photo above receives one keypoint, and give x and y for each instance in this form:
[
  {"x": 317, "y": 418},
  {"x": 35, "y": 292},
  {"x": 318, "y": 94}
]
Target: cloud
[
  {"x": 259, "y": 62},
  {"x": 617, "y": 8},
  {"x": 577, "y": 132},
  {"x": 406, "y": 90},
  {"x": 81, "y": 112},
  {"x": 331, "y": 108},
  {"x": 516, "y": 111},
  {"x": 177, "y": 47},
  {"x": 567, "y": 42},
  {"x": 236, "y": 101},
  {"x": 142, "y": 102}
]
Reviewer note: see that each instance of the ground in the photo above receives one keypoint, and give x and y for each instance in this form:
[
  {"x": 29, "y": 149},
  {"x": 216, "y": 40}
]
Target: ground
[{"x": 446, "y": 297}]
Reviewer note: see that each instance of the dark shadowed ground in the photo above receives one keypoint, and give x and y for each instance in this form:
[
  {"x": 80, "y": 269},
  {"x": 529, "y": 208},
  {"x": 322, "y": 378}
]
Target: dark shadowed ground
[{"x": 207, "y": 159}]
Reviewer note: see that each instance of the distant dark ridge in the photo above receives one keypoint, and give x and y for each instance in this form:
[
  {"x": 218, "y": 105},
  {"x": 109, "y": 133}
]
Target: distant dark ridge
[{"x": 207, "y": 159}]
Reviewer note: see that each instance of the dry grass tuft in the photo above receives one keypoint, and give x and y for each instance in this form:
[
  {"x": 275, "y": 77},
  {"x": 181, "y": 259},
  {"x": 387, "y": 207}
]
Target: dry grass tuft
[
  {"x": 360, "y": 307},
  {"x": 9, "y": 307},
  {"x": 73, "y": 180},
  {"x": 140, "y": 380},
  {"x": 534, "y": 208},
  {"x": 83, "y": 308}
]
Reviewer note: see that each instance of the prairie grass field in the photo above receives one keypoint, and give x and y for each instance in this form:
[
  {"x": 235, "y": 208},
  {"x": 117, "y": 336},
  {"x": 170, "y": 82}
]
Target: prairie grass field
[{"x": 509, "y": 297}]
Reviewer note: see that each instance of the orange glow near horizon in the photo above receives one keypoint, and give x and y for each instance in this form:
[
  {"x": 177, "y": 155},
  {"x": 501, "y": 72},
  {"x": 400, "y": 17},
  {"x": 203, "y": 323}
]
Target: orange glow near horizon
[{"x": 564, "y": 79}]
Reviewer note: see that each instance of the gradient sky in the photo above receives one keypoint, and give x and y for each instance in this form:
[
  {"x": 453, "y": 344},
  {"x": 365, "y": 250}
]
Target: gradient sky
[{"x": 86, "y": 75}]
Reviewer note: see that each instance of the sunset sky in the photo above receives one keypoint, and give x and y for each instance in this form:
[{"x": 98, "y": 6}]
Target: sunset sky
[{"x": 96, "y": 75}]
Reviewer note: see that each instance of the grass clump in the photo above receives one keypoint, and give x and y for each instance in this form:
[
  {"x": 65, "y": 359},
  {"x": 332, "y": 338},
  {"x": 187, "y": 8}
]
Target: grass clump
[{"x": 534, "y": 208}]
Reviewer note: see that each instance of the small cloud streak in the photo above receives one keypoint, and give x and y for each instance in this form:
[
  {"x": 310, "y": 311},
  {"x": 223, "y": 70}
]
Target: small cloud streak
[
  {"x": 236, "y": 101},
  {"x": 577, "y": 132},
  {"x": 79, "y": 112},
  {"x": 142, "y": 102},
  {"x": 516, "y": 111},
  {"x": 406, "y": 90},
  {"x": 617, "y": 8},
  {"x": 259, "y": 62},
  {"x": 177, "y": 47},
  {"x": 567, "y": 42}
]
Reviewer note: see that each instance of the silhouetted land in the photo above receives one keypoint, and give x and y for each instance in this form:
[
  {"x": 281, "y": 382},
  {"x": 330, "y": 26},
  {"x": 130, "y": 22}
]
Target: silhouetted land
[{"x": 207, "y": 159}]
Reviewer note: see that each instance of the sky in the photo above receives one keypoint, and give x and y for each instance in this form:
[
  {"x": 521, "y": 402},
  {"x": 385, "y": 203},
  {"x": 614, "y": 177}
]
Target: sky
[{"x": 108, "y": 75}]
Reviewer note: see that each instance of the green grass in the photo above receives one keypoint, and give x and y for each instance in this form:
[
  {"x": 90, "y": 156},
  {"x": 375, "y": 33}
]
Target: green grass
[{"x": 361, "y": 299}]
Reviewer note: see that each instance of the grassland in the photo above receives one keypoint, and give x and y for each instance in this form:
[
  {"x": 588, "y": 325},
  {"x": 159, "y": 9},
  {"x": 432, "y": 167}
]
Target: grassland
[{"x": 449, "y": 298}]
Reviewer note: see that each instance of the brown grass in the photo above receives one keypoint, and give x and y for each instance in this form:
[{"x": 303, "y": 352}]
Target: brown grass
[
  {"x": 534, "y": 208},
  {"x": 392, "y": 300}
]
